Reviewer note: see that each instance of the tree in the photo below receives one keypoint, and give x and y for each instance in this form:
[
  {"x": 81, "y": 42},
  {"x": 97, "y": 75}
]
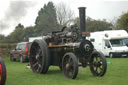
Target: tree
[
  {"x": 15, "y": 36},
  {"x": 64, "y": 13},
  {"x": 19, "y": 26},
  {"x": 2, "y": 37},
  {"x": 46, "y": 20},
  {"x": 93, "y": 25},
  {"x": 29, "y": 32},
  {"x": 122, "y": 22},
  {"x": 98, "y": 25}
]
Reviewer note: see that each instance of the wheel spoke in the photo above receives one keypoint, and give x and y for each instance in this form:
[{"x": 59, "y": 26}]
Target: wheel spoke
[
  {"x": 96, "y": 68},
  {"x": 101, "y": 68},
  {"x": 70, "y": 71},
  {"x": 71, "y": 63},
  {"x": 69, "y": 60},
  {"x": 34, "y": 65},
  {"x": 39, "y": 51},
  {"x": 34, "y": 49},
  {"x": 96, "y": 58},
  {"x": 39, "y": 67}
]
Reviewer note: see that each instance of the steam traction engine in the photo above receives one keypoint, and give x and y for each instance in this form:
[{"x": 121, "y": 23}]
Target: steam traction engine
[{"x": 68, "y": 50}]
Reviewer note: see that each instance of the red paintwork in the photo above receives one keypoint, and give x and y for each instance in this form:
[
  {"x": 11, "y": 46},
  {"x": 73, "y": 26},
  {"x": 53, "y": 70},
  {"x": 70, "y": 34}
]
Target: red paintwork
[
  {"x": 1, "y": 74},
  {"x": 26, "y": 49},
  {"x": 17, "y": 53}
]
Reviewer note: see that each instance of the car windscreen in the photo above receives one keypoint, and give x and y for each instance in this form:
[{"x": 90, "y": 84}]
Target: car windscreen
[
  {"x": 20, "y": 47},
  {"x": 117, "y": 42},
  {"x": 126, "y": 41}
]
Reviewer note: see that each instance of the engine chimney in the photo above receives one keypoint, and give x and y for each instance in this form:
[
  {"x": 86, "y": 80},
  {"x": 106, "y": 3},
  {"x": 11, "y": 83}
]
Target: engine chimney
[{"x": 82, "y": 21}]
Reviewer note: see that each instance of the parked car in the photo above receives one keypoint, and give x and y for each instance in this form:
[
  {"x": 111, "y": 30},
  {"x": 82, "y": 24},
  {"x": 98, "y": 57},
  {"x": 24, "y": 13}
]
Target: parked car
[{"x": 21, "y": 52}]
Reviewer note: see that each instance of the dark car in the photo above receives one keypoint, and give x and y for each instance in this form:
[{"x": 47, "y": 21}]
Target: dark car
[{"x": 21, "y": 52}]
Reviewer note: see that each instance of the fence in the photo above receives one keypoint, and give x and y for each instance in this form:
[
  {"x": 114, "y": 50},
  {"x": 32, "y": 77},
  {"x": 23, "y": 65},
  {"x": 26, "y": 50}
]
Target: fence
[{"x": 5, "y": 48}]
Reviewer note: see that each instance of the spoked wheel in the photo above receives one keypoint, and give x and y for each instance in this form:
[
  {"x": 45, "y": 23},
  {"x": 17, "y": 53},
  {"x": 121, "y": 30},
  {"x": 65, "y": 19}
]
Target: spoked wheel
[
  {"x": 98, "y": 64},
  {"x": 70, "y": 65},
  {"x": 2, "y": 72},
  {"x": 39, "y": 58}
]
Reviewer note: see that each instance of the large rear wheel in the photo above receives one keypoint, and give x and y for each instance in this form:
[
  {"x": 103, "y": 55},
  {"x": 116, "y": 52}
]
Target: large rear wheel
[
  {"x": 70, "y": 65},
  {"x": 2, "y": 72},
  {"x": 98, "y": 65},
  {"x": 39, "y": 57}
]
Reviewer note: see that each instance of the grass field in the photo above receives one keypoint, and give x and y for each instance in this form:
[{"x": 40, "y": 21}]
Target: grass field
[{"x": 18, "y": 74}]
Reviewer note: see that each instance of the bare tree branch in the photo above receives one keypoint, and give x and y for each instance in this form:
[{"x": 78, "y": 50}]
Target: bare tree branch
[{"x": 64, "y": 13}]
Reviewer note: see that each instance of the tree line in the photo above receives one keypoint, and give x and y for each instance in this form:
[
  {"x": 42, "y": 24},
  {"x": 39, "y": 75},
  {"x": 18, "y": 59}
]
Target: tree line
[{"x": 52, "y": 18}]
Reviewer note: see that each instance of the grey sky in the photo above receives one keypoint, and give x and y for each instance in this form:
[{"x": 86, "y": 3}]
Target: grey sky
[{"x": 96, "y": 9}]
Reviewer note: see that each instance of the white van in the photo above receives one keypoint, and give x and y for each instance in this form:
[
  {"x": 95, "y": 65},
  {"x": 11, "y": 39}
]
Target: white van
[{"x": 110, "y": 42}]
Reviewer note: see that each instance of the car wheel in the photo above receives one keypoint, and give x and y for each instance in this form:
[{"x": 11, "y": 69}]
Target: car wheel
[
  {"x": 111, "y": 55},
  {"x": 21, "y": 59},
  {"x": 12, "y": 57}
]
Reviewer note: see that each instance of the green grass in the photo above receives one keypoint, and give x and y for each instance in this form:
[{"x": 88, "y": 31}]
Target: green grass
[{"x": 18, "y": 74}]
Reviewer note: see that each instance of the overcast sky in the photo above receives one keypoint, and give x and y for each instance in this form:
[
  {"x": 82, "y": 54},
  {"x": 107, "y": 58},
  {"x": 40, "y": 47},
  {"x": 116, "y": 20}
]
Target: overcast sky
[{"x": 25, "y": 12}]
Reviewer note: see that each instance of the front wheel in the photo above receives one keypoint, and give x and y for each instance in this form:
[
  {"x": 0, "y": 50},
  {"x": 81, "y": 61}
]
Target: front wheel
[
  {"x": 2, "y": 72},
  {"x": 70, "y": 65},
  {"x": 12, "y": 57},
  {"x": 98, "y": 64},
  {"x": 22, "y": 59},
  {"x": 111, "y": 55}
]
